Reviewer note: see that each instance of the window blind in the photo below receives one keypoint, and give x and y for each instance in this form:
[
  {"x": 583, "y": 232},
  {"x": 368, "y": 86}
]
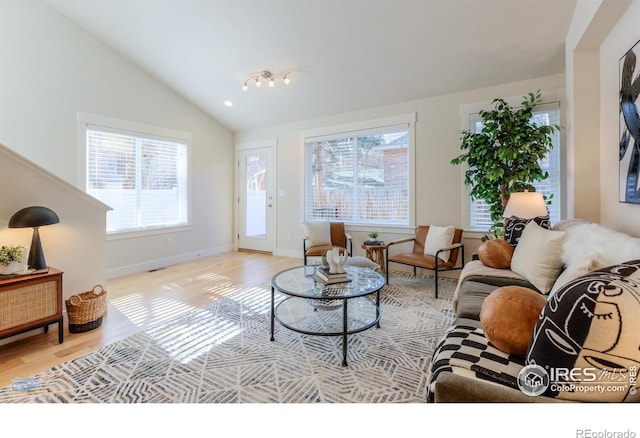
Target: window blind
[
  {"x": 359, "y": 177},
  {"x": 143, "y": 178}
]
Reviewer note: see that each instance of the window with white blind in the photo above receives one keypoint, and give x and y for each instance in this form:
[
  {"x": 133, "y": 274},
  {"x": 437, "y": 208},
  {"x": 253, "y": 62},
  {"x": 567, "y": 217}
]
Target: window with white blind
[
  {"x": 143, "y": 177},
  {"x": 360, "y": 176},
  {"x": 544, "y": 114}
]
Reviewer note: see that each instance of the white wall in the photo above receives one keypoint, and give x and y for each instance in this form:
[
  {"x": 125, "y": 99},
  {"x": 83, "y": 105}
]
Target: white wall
[
  {"x": 624, "y": 35},
  {"x": 601, "y": 33},
  {"x": 591, "y": 22},
  {"x": 50, "y": 70},
  {"x": 439, "y": 185},
  {"x": 77, "y": 244}
]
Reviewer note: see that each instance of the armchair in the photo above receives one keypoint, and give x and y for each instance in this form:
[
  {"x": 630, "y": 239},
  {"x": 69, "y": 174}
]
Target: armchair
[
  {"x": 323, "y": 236},
  {"x": 441, "y": 257}
]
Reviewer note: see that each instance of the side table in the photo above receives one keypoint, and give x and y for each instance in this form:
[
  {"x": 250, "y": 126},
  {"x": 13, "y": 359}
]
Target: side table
[
  {"x": 31, "y": 301},
  {"x": 375, "y": 252}
]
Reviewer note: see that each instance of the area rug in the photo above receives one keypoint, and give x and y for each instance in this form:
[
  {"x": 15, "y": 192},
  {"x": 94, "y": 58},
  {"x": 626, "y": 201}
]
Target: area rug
[{"x": 221, "y": 353}]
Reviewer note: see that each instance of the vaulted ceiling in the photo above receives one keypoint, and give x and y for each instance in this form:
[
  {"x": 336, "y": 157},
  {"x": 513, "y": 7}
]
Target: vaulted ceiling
[{"x": 343, "y": 55}]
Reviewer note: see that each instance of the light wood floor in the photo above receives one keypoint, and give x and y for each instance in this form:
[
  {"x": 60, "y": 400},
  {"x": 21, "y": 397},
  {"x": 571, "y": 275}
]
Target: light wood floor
[{"x": 140, "y": 300}]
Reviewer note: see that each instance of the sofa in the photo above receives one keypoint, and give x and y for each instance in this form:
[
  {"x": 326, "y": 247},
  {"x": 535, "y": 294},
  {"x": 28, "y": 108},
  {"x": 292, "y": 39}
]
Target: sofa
[{"x": 584, "y": 260}]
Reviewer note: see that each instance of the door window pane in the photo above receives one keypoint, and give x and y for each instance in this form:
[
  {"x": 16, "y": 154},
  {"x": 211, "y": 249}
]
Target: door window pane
[{"x": 256, "y": 195}]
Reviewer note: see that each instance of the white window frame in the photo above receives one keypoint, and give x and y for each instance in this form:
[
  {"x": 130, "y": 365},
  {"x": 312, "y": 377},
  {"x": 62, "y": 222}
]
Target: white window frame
[
  {"x": 144, "y": 130},
  {"x": 408, "y": 120},
  {"x": 467, "y": 111}
]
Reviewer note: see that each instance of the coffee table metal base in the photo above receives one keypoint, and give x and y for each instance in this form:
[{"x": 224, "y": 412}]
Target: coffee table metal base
[
  {"x": 338, "y": 317},
  {"x": 317, "y": 309}
]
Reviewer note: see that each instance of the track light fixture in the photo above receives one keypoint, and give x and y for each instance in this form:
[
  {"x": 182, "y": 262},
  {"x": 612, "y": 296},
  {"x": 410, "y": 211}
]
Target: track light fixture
[{"x": 266, "y": 75}]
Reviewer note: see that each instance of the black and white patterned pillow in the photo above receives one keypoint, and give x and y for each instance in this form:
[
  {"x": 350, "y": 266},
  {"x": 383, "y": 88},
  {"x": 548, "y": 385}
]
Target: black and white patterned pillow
[
  {"x": 515, "y": 226},
  {"x": 587, "y": 337},
  {"x": 465, "y": 350}
]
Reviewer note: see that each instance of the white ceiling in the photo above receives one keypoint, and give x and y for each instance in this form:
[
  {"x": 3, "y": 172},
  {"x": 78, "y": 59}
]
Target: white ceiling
[{"x": 344, "y": 55}]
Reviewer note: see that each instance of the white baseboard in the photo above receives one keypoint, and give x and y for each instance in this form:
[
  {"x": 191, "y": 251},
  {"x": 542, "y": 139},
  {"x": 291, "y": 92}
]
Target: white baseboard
[
  {"x": 297, "y": 254},
  {"x": 167, "y": 261}
]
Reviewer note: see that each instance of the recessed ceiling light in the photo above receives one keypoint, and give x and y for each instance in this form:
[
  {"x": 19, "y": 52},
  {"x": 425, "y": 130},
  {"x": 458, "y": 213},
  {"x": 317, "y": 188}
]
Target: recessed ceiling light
[{"x": 228, "y": 103}]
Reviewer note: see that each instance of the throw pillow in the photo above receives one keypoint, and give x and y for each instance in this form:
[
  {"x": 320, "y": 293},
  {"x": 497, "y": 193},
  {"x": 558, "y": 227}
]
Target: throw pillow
[
  {"x": 538, "y": 256},
  {"x": 587, "y": 337},
  {"x": 515, "y": 226},
  {"x": 317, "y": 233},
  {"x": 495, "y": 253},
  {"x": 508, "y": 316},
  {"x": 578, "y": 269},
  {"x": 439, "y": 237},
  {"x": 589, "y": 240}
]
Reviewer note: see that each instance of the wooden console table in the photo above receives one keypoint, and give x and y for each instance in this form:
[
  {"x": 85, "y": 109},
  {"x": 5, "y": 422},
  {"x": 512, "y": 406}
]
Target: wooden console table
[{"x": 31, "y": 301}]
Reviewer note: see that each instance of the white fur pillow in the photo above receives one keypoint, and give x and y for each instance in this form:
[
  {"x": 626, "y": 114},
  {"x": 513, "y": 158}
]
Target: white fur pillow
[
  {"x": 538, "y": 256},
  {"x": 589, "y": 240},
  {"x": 317, "y": 233},
  {"x": 439, "y": 237}
]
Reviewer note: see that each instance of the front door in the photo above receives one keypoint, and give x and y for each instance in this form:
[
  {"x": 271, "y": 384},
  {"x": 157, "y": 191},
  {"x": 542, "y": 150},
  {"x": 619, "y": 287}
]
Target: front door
[{"x": 256, "y": 202}]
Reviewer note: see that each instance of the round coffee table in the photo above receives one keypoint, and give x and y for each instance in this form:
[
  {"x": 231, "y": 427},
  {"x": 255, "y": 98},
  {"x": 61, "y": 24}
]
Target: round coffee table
[{"x": 314, "y": 308}]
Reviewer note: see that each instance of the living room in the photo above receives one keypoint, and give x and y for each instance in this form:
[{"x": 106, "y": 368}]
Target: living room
[{"x": 58, "y": 70}]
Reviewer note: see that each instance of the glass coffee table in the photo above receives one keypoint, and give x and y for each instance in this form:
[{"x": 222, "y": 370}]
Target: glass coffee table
[{"x": 314, "y": 308}]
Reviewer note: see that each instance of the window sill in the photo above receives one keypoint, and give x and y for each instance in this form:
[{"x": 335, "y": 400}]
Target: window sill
[
  {"x": 392, "y": 229},
  {"x": 146, "y": 232}
]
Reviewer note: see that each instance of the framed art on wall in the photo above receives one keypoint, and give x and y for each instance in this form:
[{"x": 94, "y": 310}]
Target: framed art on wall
[{"x": 629, "y": 154}]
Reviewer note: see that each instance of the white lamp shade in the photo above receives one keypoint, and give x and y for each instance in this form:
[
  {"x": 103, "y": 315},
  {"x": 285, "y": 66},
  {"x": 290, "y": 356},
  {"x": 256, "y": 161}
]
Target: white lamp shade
[{"x": 525, "y": 205}]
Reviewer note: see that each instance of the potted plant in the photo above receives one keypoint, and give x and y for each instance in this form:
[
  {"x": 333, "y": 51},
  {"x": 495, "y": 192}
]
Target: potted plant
[
  {"x": 11, "y": 258},
  {"x": 373, "y": 237},
  {"x": 504, "y": 157}
]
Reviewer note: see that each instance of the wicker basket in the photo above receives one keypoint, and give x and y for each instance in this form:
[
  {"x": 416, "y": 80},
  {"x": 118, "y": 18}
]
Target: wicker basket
[{"x": 85, "y": 310}]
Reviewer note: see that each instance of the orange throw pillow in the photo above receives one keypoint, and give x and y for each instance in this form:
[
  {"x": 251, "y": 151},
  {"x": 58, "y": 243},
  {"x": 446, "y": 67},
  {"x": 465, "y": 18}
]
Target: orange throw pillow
[
  {"x": 509, "y": 315},
  {"x": 496, "y": 253}
]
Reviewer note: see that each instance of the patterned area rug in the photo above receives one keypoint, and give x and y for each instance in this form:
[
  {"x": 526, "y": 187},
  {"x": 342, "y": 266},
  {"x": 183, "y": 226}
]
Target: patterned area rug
[{"x": 221, "y": 353}]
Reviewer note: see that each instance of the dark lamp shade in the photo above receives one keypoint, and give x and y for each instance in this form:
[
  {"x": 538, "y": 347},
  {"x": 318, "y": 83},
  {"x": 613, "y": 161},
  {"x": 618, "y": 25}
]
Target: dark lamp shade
[{"x": 33, "y": 217}]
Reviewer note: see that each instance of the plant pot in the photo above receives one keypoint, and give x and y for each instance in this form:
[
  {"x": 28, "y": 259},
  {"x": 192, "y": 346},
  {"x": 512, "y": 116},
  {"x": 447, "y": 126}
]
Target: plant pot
[{"x": 11, "y": 268}]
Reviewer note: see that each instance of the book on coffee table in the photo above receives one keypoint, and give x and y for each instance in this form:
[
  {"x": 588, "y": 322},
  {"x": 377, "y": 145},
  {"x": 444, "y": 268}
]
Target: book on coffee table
[
  {"x": 326, "y": 277},
  {"x": 333, "y": 280}
]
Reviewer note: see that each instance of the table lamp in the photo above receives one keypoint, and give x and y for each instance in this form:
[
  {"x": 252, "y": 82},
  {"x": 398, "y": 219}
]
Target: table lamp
[
  {"x": 34, "y": 217},
  {"x": 525, "y": 205}
]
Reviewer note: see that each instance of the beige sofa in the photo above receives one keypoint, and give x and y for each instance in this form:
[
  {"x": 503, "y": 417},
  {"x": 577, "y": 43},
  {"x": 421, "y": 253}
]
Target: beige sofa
[
  {"x": 463, "y": 385},
  {"x": 482, "y": 373}
]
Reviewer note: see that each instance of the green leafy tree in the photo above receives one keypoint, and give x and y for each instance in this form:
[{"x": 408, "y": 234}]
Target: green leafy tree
[{"x": 505, "y": 156}]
